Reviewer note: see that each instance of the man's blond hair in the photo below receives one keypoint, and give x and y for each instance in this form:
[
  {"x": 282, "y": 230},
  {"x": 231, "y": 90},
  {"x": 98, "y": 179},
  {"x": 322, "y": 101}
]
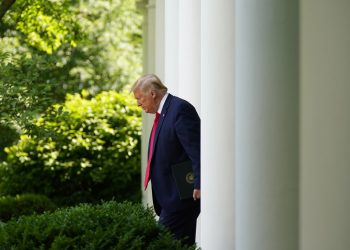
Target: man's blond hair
[{"x": 149, "y": 82}]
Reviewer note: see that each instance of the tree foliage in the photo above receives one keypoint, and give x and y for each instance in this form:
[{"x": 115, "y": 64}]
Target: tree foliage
[
  {"x": 49, "y": 48},
  {"x": 46, "y": 24},
  {"x": 5, "y": 6},
  {"x": 25, "y": 88},
  {"x": 110, "y": 57}
]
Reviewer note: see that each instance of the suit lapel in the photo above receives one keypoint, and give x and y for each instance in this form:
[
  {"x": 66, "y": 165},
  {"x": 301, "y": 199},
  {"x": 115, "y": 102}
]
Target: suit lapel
[{"x": 161, "y": 118}]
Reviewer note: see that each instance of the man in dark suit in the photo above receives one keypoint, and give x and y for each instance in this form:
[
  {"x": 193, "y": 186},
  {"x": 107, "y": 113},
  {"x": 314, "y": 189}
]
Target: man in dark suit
[{"x": 175, "y": 138}]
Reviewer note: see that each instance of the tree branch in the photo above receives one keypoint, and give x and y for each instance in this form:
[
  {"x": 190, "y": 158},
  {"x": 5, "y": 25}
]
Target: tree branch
[{"x": 5, "y": 6}]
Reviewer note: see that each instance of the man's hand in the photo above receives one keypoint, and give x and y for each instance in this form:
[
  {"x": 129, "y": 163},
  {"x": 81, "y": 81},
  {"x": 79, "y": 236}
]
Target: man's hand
[{"x": 196, "y": 194}]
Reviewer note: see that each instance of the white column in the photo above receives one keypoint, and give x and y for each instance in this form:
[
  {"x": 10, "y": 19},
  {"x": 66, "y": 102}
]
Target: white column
[
  {"x": 149, "y": 62},
  {"x": 171, "y": 44},
  {"x": 182, "y": 49},
  {"x": 189, "y": 64},
  {"x": 267, "y": 125},
  {"x": 189, "y": 51},
  {"x": 159, "y": 48},
  {"x": 218, "y": 113},
  {"x": 325, "y": 125}
]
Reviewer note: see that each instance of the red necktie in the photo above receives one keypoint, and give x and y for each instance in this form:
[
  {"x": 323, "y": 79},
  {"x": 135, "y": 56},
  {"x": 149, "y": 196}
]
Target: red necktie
[{"x": 154, "y": 128}]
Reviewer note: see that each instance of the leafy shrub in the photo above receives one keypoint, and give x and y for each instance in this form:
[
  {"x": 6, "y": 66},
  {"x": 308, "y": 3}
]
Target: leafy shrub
[
  {"x": 8, "y": 136},
  {"x": 82, "y": 151},
  {"x": 110, "y": 225},
  {"x": 26, "y": 204}
]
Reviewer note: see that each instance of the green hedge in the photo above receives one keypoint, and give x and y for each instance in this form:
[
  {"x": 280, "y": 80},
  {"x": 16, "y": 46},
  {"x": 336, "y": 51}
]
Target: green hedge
[
  {"x": 26, "y": 204},
  {"x": 84, "y": 150},
  {"x": 110, "y": 225}
]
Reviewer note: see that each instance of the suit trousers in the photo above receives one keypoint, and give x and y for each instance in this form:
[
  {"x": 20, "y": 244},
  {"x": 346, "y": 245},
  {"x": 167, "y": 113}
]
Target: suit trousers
[{"x": 182, "y": 224}]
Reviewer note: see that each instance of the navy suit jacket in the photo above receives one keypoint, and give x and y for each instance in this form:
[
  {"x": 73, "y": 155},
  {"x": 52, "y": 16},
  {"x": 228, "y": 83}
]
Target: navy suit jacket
[{"x": 177, "y": 139}]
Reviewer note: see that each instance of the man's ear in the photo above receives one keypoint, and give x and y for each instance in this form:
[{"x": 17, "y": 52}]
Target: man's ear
[{"x": 153, "y": 94}]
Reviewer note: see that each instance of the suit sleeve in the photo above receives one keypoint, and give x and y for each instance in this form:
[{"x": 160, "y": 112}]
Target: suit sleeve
[{"x": 188, "y": 128}]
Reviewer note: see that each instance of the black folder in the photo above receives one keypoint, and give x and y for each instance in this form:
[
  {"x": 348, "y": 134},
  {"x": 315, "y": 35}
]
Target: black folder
[{"x": 184, "y": 179}]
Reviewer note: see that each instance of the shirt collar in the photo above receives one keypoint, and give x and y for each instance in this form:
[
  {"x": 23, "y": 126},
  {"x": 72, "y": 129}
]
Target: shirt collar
[{"x": 161, "y": 104}]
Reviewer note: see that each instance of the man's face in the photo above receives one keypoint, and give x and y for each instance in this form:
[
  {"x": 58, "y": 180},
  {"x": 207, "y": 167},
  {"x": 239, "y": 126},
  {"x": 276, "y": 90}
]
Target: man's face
[{"x": 146, "y": 100}]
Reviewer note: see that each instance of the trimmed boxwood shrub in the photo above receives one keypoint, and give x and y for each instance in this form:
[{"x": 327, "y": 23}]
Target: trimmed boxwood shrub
[
  {"x": 26, "y": 204},
  {"x": 109, "y": 225},
  {"x": 84, "y": 150}
]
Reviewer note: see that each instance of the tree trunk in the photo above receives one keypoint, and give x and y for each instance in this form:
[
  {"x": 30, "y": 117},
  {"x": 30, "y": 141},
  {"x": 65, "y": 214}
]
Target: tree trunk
[{"x": 5, "y": 6}]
